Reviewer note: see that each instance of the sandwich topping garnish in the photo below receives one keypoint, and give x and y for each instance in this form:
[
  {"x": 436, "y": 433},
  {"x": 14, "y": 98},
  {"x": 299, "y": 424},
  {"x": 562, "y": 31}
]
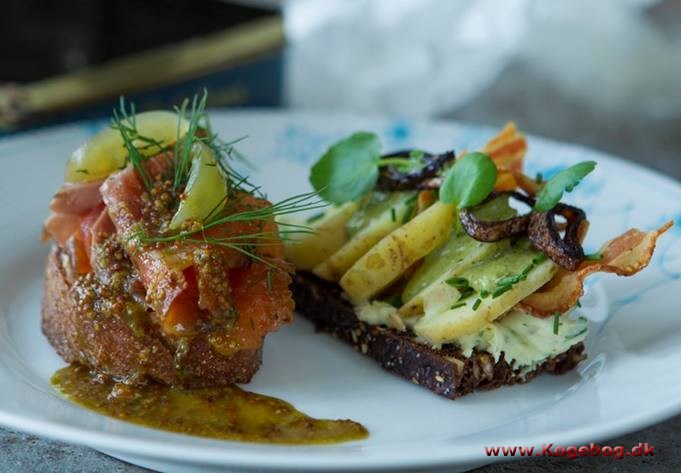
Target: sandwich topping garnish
[
  {"x": 437, "y": 241},
  {"x": 166, "y": 275},
  {"x": 200, "y": 237}
]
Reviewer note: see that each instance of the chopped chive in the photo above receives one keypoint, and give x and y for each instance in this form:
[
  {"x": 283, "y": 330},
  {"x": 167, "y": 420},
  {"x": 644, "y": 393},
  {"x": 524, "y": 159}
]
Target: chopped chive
[
  {"x": 476, "y": 304},
  {"x": 579, "y": 303},
  {"x": 458, "y": 282},
  {"x": 466, "y": 292},
  {"x": 83, "y": 171},
  {"x": 506, "y": 283},
  {"x": 556, "y": 322},
  {"x": 457, "y": 305},
  {"x": 510, "y": 280},
  {"x": 484, "y": 294},
  {"x": 393, "y": 214},
  {"x": 581, "y": 332},
  {"x": 501, "y": 290}
]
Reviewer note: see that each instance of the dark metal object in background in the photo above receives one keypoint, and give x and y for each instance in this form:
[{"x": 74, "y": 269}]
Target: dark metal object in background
[{"x": 71, "y": 59}]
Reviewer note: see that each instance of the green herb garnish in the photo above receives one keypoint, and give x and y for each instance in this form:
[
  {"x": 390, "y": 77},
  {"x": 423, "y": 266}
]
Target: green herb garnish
[
  {"x": 594, "y": 256},
  {"x": 556, "y": 323},
  {"x": 247, "y": 242},
  {"x": 506, "y": 283},
  {"x": 477, "y": 303},
  {"x": 469, "y": 181},
  {"x": 463, "y": 286},
  {"x": 465, "y": 293},
  {"x": 393, "y": 214},
  {"x": 501, "y": 290},
  {"x": 458, "y": 282},
  {"x": 183, "y": 147},
  {"x": 315, "y": 217},
  {"x": 581, "y": 332},
  {"x": 348, "y": 169},
  {"x": 124, "y": 121},
  {"x": 566, "y": 180}
]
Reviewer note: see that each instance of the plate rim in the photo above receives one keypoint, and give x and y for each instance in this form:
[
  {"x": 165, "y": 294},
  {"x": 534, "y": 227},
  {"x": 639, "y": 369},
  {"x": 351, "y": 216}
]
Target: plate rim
[{"x": 280, "y": 457}]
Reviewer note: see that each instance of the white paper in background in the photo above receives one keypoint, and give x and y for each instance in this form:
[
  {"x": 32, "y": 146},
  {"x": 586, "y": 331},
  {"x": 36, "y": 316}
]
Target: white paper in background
[{"x": 424, "y": 57}]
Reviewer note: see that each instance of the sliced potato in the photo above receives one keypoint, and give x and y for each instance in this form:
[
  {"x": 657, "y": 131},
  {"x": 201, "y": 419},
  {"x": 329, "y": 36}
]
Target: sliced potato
[
  {"x": 366, "y": 236},
  {"x": 105, "y": 153},
  {"x": 306, "y": 251},
  {"x": 391, "y": 256},
  {"x": 206, "y": 188},
  {"x": 443, "y": 327},
  {"x": 457, "y": 254}
]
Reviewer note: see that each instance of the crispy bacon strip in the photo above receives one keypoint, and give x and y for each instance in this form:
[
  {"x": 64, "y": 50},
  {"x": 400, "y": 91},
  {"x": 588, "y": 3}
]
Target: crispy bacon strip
[
  {"x": 625, "y": 255},
  {"x": 507, "y": 150}
]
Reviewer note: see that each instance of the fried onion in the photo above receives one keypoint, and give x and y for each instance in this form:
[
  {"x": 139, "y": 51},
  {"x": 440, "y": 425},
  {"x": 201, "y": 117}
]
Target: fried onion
[
  {"x": 392, "y": 179},
  {"x": 491, "y": 231}
]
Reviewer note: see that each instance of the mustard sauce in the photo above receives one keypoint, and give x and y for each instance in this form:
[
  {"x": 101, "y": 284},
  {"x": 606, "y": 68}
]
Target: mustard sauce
[{"x": 227, "y": 413}]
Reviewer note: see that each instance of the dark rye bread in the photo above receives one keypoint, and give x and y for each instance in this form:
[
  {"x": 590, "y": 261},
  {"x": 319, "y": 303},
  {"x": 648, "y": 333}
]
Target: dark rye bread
[
  {"x": 446, "y": 371},
  {"x": 108, "y": 344}
]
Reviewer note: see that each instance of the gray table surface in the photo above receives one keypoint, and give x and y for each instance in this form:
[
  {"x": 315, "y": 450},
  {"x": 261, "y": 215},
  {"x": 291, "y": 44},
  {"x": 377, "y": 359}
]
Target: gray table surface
[{"x": 538, "y": 107}]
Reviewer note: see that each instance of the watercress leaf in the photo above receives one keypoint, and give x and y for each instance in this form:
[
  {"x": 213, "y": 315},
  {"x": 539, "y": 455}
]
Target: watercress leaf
[
  {"x": 348, "y": 169},
  {"x": 566, "y": 180},
  {"x": 469, "y": 181}
]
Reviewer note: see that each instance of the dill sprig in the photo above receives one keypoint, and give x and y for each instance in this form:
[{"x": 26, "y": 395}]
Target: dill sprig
[
  {"x": 183, "y": 146},
  {"x": 125, "y": 122},
  {"x": 199, "y": 129},
  {"x": 245, "y": 243}
]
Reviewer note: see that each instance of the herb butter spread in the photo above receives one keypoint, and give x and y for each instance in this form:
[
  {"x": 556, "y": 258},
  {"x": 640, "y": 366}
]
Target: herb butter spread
[{"x": 525, "y": 339}]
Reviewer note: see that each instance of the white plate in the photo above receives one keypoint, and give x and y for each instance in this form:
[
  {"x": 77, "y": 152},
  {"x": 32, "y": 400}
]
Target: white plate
[{"x": 628, "y": 381}]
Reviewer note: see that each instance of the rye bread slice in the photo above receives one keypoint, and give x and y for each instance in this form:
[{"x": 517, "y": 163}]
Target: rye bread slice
[
  {"x": 108, "y": 345},
  {"x": 445, "y": 371}
]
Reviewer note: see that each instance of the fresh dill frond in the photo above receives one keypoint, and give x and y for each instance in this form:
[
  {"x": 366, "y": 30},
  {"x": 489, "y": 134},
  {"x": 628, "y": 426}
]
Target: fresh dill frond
[
  {"x": 183, "y": 147},
  {"x": 246, "y": 242},
  {"x": 297, "y": 203},
  {"x": 125, "y": 123}
]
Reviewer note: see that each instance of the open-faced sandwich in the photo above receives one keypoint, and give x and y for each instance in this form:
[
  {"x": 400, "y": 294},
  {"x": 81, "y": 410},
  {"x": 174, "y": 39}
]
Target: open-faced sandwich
[
  {"x": 165, "y": 264},
  {"x": 429, "y": 264}
]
